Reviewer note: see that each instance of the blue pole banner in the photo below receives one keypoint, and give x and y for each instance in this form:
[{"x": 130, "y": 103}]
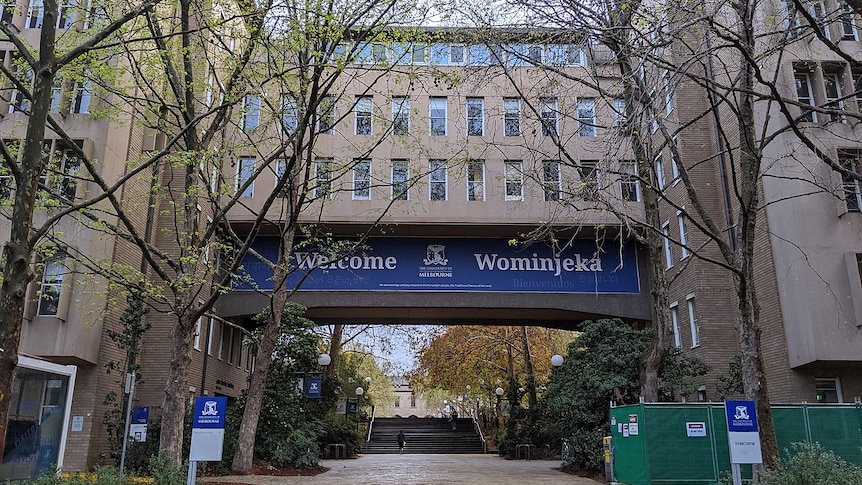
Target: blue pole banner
[{"x": 450, "y": 264}]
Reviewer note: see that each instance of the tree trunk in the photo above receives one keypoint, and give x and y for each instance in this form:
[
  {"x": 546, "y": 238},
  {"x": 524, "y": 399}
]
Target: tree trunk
[
  {"x": 530, "y": 378},
  {"x": 244, "y": 456},
  {"x": 334, "y": 348},
  {"x": 177, "y": 388},
  {"x": 18, "y": 249}
]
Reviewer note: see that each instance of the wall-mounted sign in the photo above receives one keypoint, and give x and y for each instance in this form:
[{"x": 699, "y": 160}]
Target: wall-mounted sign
[
  {"x": 452, "y": 264},
  {"x": 695, "y": 429}
]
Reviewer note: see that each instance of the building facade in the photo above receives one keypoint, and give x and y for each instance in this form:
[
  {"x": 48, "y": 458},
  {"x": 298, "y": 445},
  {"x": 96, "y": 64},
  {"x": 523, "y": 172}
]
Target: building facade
[{"x": 458, "y": 141}]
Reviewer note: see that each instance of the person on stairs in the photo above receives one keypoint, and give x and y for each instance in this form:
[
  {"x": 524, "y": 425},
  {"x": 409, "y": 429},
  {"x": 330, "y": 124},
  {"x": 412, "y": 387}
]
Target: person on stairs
[
  {"x": 401, "y": 442},
  {"x": 454, "y": 419}
]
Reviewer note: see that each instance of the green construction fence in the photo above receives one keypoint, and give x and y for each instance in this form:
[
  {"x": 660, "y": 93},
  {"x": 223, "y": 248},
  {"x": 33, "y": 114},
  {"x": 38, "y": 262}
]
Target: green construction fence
[{"x": 686, "y": 444}]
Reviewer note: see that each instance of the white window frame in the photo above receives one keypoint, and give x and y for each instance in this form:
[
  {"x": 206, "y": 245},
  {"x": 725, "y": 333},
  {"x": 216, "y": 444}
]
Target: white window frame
[
  {"x": 817, "y": 8},
  {"x": 674, "y": 320},
  {"x": 364, "y": 112},
  {"x": 210, "y": 327},
  {"x": 668, "y": 251},
  {"x": 683, "y": 235},
  {"x": 362, "y": 179},
  {"x": 400, "y": 177},
  {"x": 323, "y": 178},
  {"x": 35, "y": 14},
  {"x": 659, "y": 172},
  {"x": 198, "y": 328},
  {"x": 478, "y": 103},
  {"x": 629, "y": 178},
  {"x": 514, "y": 179},
  {"x": 807, "y": 99},
  {"x": 849, "y": 27},
  {"x": 552, "y": 187},
  {"x": 692, "y": 320},
  {"x": 668, "y": 93},
  {"x": 511, "y": 116},
  {"x": 250, "y": 112},
  {"x": 289, "y": 115},
  {"x": 401, "y": 115},
  {"x": 244, "y": 171},
  {"x": 851, "y": 160},
  {"x": 475, "y": 186},
  {"x": 620, "y": 114},
  {"x": 438, "y": 111},
  {"x": 436, "y": 168},
  {"x": 280, "y": 168},
  {"x": 51, "y": 285},
  {"x": 82, "y": 96},
  {"x": 327, "y": 115},
  {"x": 835, "y": 97},
  {"x": 586, "y": 117},
  {"x": 549, "y": 114}
]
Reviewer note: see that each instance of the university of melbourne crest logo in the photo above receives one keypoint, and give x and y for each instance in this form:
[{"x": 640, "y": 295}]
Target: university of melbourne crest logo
[
  {"x": 741, "y": 413},
  {"x": 435, "y": 254},
  {"x": 210, "y": 409}
]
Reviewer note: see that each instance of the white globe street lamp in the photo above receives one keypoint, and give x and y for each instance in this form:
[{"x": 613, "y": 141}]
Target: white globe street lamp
[
  {"x": 557, "y": 360},
  {"x": 324, "y": 360},
  {"x": 360, "y": 391}
]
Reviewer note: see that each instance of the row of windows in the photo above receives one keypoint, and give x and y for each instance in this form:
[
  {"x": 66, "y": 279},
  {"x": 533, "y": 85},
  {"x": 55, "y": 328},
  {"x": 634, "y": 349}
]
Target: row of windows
[
  {"x": 60, "y": 178},
  {"x": 401, "y": 180},
  {"x": 224, "y": 342},
  {"x": 835, "y": 20},
  {"x": 438, "y": 115},
  {"x": 828, "y": 87},
  {"x": 69, "y": 12},
  {"x": 461, "y": 54},
  {"x": 851, "y": 160}
]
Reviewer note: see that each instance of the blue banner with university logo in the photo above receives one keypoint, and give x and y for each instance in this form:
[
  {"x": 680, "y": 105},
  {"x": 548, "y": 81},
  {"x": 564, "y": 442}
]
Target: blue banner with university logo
[
  {"x": 209, "y": 412},
  {"x": 452, "y": 264}
]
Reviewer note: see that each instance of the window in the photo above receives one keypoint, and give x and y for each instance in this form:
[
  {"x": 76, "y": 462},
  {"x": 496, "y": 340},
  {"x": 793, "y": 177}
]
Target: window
[
  {"x": 244, "y": 172},
  {"x": 437, "y": 180},
  {"x": 66, "y": 14},
  {"x": 456, "y": 55},
  {"x": 412, "y": 400},
  {"x": 514, "y": 173},
  {"x": 659, "y": 172},
  {"x": 326, "y": 115},
  {"x": 818, "y": 11},
  {"x": 674, "y": 166},
  {"x": 379, "y": 54},
  {"x": 400, "y": 116},
  {"x": 56, "y": 96},
  {"x": 511, "y": 116},
  {"x": 683, "y": 234},
  {"x": 479, "y": 55},
  {"x": 323, "y": 178},
  {"x": 7, "y": 182},
  {"x": 588, "y": 169},
  {"x": 475, "y": 180},
  {"x": 834, "y": 95},
  {"x": 851, "y": 160},
  {"x": 82, "y": 95},
  {"x": 551, "y": 180},
  {"x": 250, "y": 113},
  {"x": 828, "y": 390},
  {"x": 364, "y": 112},
  {"x": 7, "y": 11},
  {"x": 668, "y": 93},
  {"x": 35, "y": 14},
  {"x": 475, "y": 117},
  {"x": 857, "y": 88},
  {"x": 437, "y": 116},
  {"x": 68, "y": 169},
  {"x": 629, "y": 185},
  {"x": 791, "y": 18},
  {"x": 223, "y": 329},
  {"x": 548, "y": 111},
  {"x": 397, "y": 401},
  {"x": 289, "y": 115},
  {"x": 362, "y": 180},
  {"x": 804, "y": 96},
  {"x": 564, "y": 55},
  {"x": 668, "y": 254},
  {"x": 198, "y": 326},
  {"x": 674, "y": 320},
  {"x": 400, "y": 180},
  {"x": 620, "y": 114},
  {"x": 210, "y": 328},
  {"x": 692, "y": 321},
  {"x": 848, "y": 22},
  {"x": 586, "y": 117},
  {"x": 418, "y": 53},
  {"x": 280, "y": 168},
  {"x": 51, "y": 285}
]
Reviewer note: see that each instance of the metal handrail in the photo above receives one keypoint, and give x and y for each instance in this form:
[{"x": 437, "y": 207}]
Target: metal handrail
[
  {"x": 370, "y": 425},
  {"x": 481, "y": 436}
]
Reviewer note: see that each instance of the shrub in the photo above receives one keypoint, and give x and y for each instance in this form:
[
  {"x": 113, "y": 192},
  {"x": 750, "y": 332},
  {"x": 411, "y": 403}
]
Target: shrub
[
  {"x": 166, "y": 473},
  {"x": 810, "y": 464}
]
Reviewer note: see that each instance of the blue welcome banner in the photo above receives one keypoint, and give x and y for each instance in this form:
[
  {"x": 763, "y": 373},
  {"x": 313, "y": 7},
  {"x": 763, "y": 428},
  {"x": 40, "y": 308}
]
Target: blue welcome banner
[{"x": 452, "y": 264}]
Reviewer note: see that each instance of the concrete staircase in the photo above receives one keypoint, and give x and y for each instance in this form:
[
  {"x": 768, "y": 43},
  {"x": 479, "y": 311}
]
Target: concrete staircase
[{"x": 424, "y": 435}]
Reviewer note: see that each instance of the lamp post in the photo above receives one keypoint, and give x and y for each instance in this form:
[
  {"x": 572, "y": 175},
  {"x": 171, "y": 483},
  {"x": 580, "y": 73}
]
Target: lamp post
[
  {"x": 499, "y": 392},
  {"x": 557, "y": 361}
]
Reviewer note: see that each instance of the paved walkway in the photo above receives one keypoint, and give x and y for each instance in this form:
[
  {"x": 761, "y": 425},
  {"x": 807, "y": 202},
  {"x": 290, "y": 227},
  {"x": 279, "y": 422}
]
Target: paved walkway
[{"x": 423, "y": 469}]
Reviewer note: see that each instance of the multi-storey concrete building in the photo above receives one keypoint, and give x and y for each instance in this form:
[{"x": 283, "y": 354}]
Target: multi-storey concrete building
[{"x": 444, "y": 150}]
